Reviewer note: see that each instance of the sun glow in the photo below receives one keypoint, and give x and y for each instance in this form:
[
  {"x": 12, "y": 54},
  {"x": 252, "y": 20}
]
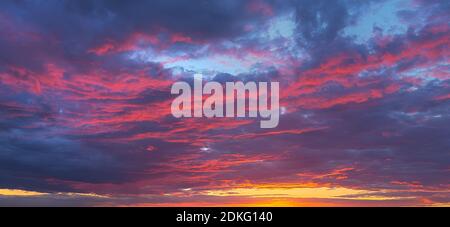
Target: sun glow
[{"x": 18, "y": 192}]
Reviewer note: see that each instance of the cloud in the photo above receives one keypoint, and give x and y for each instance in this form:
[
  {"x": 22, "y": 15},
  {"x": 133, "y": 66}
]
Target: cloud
[{"x": 85, "y": 105}]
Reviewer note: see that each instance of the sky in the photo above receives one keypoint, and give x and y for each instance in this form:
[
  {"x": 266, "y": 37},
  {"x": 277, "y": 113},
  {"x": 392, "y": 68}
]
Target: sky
[{"x": 85, "y": 103}]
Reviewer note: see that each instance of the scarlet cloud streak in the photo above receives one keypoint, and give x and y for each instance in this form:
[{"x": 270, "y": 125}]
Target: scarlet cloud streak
[{"x": 85, "y": 116}]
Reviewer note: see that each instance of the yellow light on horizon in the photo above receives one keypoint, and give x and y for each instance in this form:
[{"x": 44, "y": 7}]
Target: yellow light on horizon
[
  {"x": 19, "y": 192},
  {"x": 301, "y": 193}
]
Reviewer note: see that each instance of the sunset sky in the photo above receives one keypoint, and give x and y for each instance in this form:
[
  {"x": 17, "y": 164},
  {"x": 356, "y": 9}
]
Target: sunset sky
[{"x": 85, "y": 99}]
